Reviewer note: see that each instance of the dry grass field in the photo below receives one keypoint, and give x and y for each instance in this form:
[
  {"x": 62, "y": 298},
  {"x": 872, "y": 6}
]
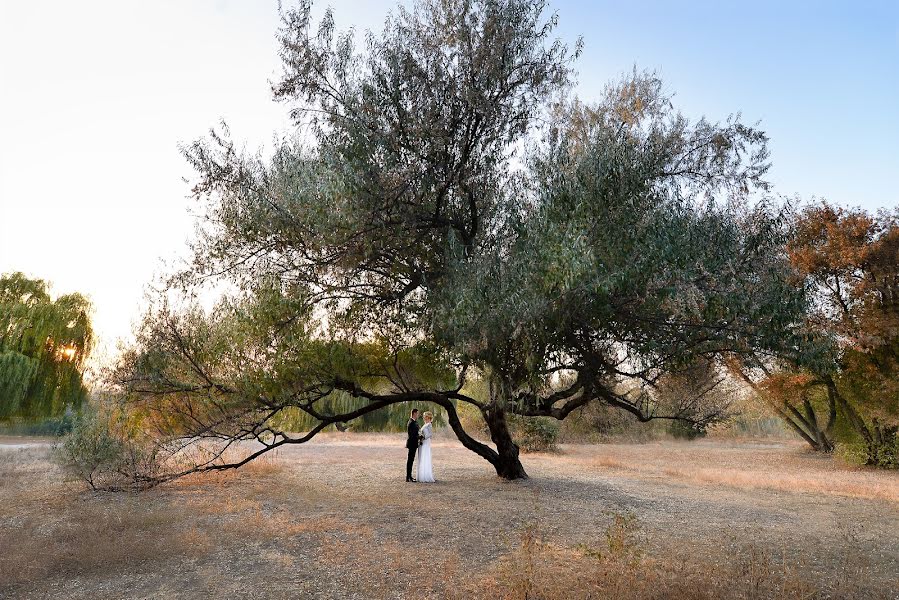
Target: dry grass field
[{"x": 334, "y": 519}]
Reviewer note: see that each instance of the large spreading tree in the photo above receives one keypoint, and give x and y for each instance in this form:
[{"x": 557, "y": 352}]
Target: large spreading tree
[{"x": 444, "y": 216}]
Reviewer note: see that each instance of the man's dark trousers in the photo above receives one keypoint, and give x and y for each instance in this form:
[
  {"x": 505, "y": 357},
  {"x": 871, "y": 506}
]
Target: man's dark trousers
[{"x": 409, "y": 462}]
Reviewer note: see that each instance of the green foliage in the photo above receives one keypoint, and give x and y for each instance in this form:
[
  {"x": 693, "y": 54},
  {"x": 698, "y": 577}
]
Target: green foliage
[
  {"x": 106, "y": 452},
  {"x": 873, "y": 446},
  {"x": 54, "y": 426},
  {"x": 435, "y": 229},
  {"x": 854, "y": 449},
  {"x": 261, "y": 346},
  {"x": 393, "y": 418},
  {"x": 686, "y": 431},
  {"x": 535, "y": 434},
  {"x": 852, "y": 452},
  {"x": 849, "y": 260},
  {"x": 612, "y": 254},
  {"x": 869, "y": 377},
  {"x": 90, "y": 452},
  {"x": 44, "y": 344}
]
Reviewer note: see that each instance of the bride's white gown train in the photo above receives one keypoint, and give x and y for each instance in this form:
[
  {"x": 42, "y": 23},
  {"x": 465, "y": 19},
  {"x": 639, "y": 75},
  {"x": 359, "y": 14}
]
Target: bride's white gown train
[{"x": 425, "y": 471}]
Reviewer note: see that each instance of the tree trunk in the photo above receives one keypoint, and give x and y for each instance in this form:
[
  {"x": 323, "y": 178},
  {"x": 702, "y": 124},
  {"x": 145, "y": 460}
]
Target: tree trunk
[
  {"x": 856, "y": 422},
  {"x": 805, "y": 425},
  {"x": 824, "y": 444},
  {"x": 505, "y": 458},
  {"x": 507, "y": 464}
]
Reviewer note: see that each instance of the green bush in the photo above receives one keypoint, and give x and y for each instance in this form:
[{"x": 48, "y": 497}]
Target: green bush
[
  {"x": 535, "y": 434},
  {"x": 683, "y": 430},
  {"x": 856, "y": 452},
  {"x": 888, "y": 454},
  {"x": 102, "y": 453},
  {"x": 853, "y": 453}
]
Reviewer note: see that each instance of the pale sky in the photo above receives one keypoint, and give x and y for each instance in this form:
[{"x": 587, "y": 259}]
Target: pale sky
[{"x": 95, "y": 97}]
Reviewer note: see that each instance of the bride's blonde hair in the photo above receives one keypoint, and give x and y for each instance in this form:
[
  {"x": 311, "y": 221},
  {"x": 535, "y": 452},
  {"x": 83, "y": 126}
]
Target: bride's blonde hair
[{"x": 428, "y": 415}]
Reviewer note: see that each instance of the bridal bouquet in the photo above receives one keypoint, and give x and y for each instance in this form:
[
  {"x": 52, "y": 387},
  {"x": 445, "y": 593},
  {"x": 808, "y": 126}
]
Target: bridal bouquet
[{"x": 421, "y": 439}]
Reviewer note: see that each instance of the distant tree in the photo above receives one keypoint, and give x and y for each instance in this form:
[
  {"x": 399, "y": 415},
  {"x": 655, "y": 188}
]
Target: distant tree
[
  {"x": 850, "y": 260},
  {"x": 702, "y": 388},
  {"x": 796, "y": 395},
  {"x": 452, "y": 220},
  {"x": 44, "y": 344}
]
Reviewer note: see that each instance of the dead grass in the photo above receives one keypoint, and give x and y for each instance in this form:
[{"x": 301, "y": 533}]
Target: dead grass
[
  {"x": 744, "y": 465},
  {"x": 618, "y": 568},
  {"x": 334, "y": 519},
  {"x": 92, "y": 536}
]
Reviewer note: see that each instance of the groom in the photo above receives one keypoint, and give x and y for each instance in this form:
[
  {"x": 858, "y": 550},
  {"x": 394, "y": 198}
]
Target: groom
[{"x": 412, "y": 442}]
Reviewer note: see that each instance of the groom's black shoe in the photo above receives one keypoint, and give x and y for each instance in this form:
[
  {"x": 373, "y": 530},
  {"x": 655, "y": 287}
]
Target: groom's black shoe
[{"x": 411, "y": 480}]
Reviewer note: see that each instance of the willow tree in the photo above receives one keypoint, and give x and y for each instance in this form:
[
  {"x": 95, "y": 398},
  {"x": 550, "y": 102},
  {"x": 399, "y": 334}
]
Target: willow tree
[
  {"x": 443, "y": 215},
  {"x": 44, "y": 344}
]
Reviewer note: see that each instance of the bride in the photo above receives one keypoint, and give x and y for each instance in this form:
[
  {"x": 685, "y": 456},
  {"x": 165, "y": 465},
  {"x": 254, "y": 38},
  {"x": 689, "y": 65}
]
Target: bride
[{"x": 425, "y": 471}]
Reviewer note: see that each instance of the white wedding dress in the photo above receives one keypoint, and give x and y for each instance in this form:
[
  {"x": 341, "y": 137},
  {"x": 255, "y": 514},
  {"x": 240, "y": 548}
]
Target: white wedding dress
[{"x": 425, "y": 471}]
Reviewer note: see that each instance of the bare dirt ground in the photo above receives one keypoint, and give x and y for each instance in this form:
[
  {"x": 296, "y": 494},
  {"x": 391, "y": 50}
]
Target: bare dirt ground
[{"x": 334, "y": 519}]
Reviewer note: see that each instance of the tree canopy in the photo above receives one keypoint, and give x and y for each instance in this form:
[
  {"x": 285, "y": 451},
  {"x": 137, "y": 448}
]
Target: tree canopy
[
  {"x": 44, "y": 344},
  {"x": 850, "y": 261},
  {"x": 446, "y": 213}
]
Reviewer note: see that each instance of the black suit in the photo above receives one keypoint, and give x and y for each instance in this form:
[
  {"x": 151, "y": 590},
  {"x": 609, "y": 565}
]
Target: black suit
[{"x": 412, "y": 445}]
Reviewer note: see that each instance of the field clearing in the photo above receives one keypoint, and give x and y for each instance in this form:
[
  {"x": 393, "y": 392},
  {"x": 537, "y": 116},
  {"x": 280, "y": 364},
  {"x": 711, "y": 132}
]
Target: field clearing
[{"x": 334, "y": 519}]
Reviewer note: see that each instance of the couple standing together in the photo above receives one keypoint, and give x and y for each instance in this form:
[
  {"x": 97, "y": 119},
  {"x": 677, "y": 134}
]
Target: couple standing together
[{"x": 419, "y": 440}]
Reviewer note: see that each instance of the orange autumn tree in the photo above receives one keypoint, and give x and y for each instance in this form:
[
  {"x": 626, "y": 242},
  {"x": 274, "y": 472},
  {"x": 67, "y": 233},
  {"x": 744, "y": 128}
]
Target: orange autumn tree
[{"x": 850, "y": 262}]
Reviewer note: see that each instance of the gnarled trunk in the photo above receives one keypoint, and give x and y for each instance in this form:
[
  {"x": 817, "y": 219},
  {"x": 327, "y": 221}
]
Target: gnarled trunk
[
  {"x": 505, "y": 458},
  {"x": 506, "y": 464}
]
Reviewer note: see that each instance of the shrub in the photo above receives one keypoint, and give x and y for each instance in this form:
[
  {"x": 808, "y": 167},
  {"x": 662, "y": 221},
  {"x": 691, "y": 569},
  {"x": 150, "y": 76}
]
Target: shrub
[
  {"x": 888, "y": 453},
  {"x": 105, "y": 454},
  {"x": 856, "y": 452},
  {"x": 535, "y": 434},
  {"x": 598, "y": 423},
  {"x": 684, "y": 430}
]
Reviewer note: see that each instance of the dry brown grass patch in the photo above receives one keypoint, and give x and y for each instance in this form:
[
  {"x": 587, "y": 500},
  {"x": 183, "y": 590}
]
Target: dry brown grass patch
[
  {"x": 741, "y": 466},
  {"x": 336, "y": 520},
  {"x": 93, "y": 538},
  {"x": 619, "y": 568}
]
